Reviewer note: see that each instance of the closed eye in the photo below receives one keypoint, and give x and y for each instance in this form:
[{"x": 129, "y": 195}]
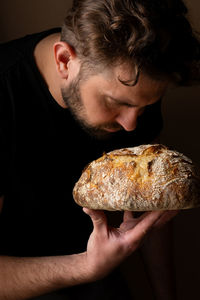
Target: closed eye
[
  {"x": 116, "y": 102},
  {"x": 112, "y": 102}
]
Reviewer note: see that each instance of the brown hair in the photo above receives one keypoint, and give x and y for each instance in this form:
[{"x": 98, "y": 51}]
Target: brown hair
[{"x": 152, "y": 36}]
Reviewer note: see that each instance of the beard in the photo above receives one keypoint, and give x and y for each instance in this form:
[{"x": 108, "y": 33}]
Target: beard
[{"x": 72, "y": 99}]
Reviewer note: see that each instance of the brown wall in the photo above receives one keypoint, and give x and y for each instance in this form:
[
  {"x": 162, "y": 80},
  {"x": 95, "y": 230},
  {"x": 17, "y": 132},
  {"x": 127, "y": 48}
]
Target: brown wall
[
  {"x": 20, "y": 17},
  {"x": 181, "y": 110}
]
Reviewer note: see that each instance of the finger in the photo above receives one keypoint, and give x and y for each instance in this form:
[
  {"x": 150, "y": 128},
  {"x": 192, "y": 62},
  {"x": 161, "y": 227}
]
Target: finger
[
  {"x": 145, "y": 224},
  {"x": 166, "y": 217},
  {"x": 128, "y": 215},
  {"x": 98, "y": 218}
]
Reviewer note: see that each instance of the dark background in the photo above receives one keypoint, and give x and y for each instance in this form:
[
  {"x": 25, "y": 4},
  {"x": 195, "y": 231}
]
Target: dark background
[{"x": 181, "y": 109}]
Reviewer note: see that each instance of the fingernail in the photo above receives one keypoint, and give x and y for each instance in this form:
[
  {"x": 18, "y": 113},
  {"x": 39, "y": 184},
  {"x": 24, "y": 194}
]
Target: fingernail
[{"x": 85, "y": 210}]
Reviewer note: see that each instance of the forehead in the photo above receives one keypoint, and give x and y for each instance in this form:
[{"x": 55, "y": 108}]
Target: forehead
[{"x": 146, "y": 91}]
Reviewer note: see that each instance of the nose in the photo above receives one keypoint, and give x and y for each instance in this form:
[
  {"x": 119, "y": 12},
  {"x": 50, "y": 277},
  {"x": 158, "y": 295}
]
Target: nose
[{"x": 128, "y": 118}]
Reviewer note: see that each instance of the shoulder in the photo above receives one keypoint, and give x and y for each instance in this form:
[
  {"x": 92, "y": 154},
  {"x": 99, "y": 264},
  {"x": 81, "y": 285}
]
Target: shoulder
[
  {"x": 9, "y": 55},
  {"x": 12, "y": 52}
]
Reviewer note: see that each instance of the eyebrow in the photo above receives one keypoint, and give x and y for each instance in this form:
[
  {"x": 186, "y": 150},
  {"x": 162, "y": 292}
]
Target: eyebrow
[{"x": 126, "y": 102}]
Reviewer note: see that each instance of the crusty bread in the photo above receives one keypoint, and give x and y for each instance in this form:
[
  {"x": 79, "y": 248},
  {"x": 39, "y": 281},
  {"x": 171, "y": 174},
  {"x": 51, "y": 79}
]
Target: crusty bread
[{"x": 143, "y": 178}]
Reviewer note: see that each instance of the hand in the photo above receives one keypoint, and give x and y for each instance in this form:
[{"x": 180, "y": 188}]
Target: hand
[{"x": 108, "y": 247}]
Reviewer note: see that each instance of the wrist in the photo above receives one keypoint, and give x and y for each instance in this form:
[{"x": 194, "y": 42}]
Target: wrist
[{"x": 76, "y": 264}]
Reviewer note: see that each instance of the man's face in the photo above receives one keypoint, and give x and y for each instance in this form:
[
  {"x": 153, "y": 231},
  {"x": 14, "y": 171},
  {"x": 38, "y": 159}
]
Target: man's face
[{"x": 103, "y": 105}]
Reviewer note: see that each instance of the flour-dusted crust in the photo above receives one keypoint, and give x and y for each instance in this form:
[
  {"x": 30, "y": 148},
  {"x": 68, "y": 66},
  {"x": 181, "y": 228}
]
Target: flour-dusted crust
[{"x": 147, "y": 177}]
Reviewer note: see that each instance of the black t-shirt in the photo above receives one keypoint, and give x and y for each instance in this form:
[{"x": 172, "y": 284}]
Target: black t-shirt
[{"x": 42, "y": 153}]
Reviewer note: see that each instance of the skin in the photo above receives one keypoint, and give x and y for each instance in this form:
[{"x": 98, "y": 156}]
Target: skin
[
  {"x": 105, "y": 105},
  {"x": 101, "y": 103},
  {"x": 108, "y": 246}
]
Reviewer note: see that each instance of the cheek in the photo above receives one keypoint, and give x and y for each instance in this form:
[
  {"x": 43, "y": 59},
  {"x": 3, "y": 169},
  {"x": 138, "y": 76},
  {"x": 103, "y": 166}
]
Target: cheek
[{"x": 97, "y": 112}]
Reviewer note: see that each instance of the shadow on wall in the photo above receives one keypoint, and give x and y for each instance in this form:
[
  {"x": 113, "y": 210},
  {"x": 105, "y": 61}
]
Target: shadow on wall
[{"x": 21, "y": 17}]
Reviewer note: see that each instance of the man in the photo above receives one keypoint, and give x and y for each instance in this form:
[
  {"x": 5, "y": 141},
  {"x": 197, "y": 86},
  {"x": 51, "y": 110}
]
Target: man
[{"x": 65, "y": 99}]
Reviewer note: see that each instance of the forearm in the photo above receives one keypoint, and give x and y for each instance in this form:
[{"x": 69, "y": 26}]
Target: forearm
[
  {"x": 157, "y": 253},
  {"x": 24, "y": 278}
]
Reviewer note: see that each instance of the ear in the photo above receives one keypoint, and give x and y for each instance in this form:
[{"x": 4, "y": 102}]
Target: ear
[{"x": 64, "y": 53}]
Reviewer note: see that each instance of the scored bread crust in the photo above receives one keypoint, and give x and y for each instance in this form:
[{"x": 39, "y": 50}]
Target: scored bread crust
[{"x": 143, "y": 178}]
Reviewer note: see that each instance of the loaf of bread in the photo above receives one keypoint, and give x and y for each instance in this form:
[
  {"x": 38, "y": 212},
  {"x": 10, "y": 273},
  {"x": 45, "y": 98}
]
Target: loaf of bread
[{"x": 143, "y": 178}]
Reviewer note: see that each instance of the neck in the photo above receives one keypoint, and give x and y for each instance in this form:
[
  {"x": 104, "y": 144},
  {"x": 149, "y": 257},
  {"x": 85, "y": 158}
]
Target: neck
[{"x": 45, "y": 61}]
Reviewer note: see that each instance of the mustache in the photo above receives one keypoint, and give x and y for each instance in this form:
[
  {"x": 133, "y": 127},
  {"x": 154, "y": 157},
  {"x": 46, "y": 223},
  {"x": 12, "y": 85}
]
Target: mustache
[{"x": 113, "y": 126}]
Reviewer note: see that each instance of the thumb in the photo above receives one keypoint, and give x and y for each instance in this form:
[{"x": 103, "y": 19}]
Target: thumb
[{"x": 98, "y": 218}]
